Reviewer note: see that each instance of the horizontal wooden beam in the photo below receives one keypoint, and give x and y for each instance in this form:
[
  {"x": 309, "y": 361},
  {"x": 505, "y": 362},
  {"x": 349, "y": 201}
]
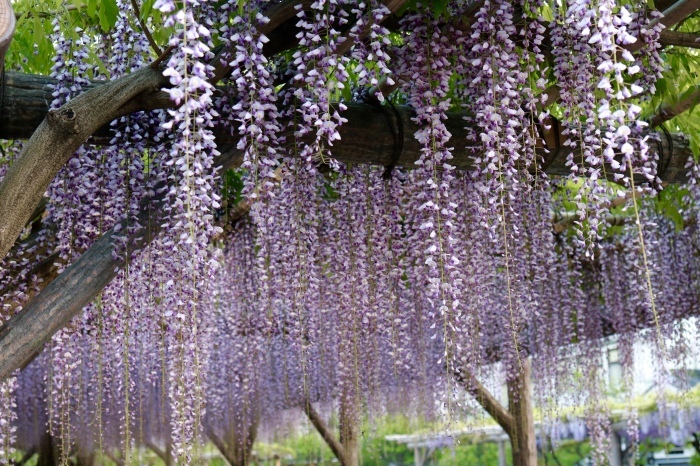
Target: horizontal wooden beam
[
  {"x": 371, "y": 135},
  {"x": 680, "y": 39}
]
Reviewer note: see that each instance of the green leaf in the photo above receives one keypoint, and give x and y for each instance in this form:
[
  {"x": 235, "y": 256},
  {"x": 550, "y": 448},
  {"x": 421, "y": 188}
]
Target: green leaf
[
  {"x": 439, "y": 6},
  {"x": 661, "y": 86},
  {"x": 94, "y": 58},
  {"x": 147, "y": 8},
  {"x": 410, "y": 5},
  {"x": 38, "y": 30},
  {"x": 92, "y": 8},
  {"x": 108, "y": 14}
]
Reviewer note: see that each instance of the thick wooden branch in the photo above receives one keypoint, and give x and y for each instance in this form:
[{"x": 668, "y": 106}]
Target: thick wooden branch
[
  {"x": 487, "y": 401},
  {"x": 688, "y": 100},
  {"x": 55, "y": 141},
  {"x": 221, "y": 446},
  {"x": 326, "y": 433},
  {"x": 113, "y": 456},
  {"x": 159, "y": 453},
  {"x": 672, "y": 15},
  {"x": 62, "y": 132},
  {"x": 24, "y": 335},
  {"x": 677, "y": 12},
  {"x": 370, "y": 136},
  {"x": 680, "y": 39},
  {"x": 26, "y": 332}
]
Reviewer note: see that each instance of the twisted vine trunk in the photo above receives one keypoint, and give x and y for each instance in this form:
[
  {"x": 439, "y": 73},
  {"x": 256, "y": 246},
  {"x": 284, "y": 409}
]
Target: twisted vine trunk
[
  {"x": 517, "y": 421},
  {"x": 347, "y": 449},
  {"x": 522, "y": 438},
  {"x": 236, "y": 445},
  {"x": 46, "y": 451}
]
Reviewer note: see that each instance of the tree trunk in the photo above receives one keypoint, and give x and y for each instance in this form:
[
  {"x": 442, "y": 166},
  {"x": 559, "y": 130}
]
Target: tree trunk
[
  {"x": 46, "y": 451},
  {"x": 169, "y": 453},
  {"x": 166, "y": 456},
  {"x": 522, "y": 439},
  {"x": 346, "y": 447},
  {"x": 349, "y": 432},
  {"x": 240, "y": 444},
  {"x": 85, "y": 459},
  {"x": 79, "y": 284},
  {"x": 320, "y": 425}
]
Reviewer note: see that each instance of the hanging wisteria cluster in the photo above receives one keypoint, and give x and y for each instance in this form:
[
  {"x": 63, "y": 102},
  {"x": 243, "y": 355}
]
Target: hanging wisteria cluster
[{"x": 300, "y": 282}]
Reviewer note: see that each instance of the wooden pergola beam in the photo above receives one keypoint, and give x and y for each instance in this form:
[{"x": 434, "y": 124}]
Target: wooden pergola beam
[
  {"x": 680, "y": 39},
  {"x": 370, "y": 135}
]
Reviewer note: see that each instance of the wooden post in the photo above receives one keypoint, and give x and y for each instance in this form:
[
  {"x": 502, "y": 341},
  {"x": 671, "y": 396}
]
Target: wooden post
[
  {"x": 418, "y": 456},
  {"x": 502, "y": 453},
  {"x": 46, "y": 451},
  {"x": 615, "y": 456},
  {"x": 523, "y": 440}
]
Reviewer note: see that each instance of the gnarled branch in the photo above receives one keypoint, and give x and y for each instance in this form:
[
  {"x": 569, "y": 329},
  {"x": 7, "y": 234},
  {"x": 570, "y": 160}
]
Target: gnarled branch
[
  {"x": 323, "y": 429},
  {"x": 487, "y": 401}
]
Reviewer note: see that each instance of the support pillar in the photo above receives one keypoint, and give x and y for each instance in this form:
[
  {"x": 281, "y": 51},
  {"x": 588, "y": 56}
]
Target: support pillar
[
  {"x": 615, "y": 455},
  {"x": 502, "y": 453},
  {"x": 523, "y": 439},
  {"x": 349, "y": 433}
]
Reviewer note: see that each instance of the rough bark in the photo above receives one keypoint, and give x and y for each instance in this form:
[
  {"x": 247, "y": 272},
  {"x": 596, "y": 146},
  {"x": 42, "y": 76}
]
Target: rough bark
[
  {"x": 678, "y": 11},
  {"x": 222, "y": 447},
  {"x": 114, "y": 457},
  {"x": 672, "y": 14},
  {"x": 63, "y": 131},
  {"x": 164, "y": 455},
  {"x": 236, "y": 446},
  {"x": 680, "y": 39},
  {"x": 368, "y": 137},
  {"x": 686, "y": 101},
  {"x": 85, "y": 459},
  {"x": 517, "y": 421},
  {"x": 46, "y": 451},
  {"x": 26, "y": 332},
  {"x": 523, "y": 439}
]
